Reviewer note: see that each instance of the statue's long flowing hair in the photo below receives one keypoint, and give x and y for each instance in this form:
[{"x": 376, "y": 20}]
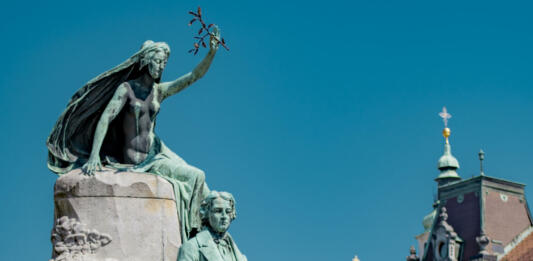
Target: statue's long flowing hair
[{"x": 70, "y": 142}]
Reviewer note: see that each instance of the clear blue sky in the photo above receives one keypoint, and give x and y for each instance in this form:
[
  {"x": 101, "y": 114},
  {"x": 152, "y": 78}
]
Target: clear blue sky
[{"x": 321, "y": 120}]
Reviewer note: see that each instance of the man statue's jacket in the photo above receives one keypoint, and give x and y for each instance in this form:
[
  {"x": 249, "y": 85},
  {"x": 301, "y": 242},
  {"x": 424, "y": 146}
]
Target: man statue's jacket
[{"x": 203, "y": 248}]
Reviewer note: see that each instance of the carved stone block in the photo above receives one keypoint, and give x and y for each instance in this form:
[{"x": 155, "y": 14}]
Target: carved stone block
[{"x": 134, "y": 214}]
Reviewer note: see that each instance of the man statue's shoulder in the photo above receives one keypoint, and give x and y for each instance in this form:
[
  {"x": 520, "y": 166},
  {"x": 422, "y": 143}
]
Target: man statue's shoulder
[{"x": 239, "y": 254}]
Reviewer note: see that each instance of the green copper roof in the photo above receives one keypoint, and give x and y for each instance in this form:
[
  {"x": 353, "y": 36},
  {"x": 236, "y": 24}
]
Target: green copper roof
[
  {"x": 447, "y": 160},
  {"x": 428, "y": 220},
  {"x": 447, "y": 164}
]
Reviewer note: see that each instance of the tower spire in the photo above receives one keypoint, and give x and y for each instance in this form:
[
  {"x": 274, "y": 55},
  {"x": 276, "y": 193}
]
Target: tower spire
[{"x": 447, "y": 163}]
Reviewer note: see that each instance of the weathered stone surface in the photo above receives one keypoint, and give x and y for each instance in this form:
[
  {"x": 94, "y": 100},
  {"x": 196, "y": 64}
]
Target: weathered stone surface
[
  {"x": 136, "y": 210},
  {"x": 110, "y": 183}
]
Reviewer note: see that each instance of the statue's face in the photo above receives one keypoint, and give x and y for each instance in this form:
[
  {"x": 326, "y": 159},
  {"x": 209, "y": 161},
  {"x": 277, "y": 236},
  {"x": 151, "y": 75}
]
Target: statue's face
[
  {"x": 219, "y": 215},
  {"x": 157, "y": 64}
]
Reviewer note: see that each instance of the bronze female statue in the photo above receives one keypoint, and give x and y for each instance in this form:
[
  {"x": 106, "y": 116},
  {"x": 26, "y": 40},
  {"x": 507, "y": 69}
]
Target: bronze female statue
[{"x": 111, "y": 121}]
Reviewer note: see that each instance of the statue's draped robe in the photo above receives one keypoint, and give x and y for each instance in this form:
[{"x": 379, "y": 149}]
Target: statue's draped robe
[{"x": 70, "y": 142}]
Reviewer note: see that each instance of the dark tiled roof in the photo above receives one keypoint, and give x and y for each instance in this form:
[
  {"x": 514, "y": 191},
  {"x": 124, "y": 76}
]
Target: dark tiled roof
[{"x": 522, "y": 251}]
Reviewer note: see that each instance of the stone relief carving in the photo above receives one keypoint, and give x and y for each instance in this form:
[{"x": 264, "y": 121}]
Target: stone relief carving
[
  {"x": 460, "y": 198},
  {"x": 446, "y": 243},
  {"x": 483, "y": 241},
  {"x": 504, "y": 197},
  {"x": 72, "y": 241}
]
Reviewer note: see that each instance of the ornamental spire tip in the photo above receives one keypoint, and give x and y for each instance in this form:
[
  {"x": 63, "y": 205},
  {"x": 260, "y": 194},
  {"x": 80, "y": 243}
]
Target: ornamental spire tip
[{"x": 445, "y": 116}]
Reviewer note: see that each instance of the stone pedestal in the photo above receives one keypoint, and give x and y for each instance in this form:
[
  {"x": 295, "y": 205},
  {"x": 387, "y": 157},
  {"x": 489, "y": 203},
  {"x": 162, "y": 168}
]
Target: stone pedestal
[{"x": 132, "y": 216}]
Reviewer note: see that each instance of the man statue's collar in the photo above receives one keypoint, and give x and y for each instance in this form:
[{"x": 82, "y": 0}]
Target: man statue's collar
[
  {"x": 207, "y": 246},
  {"x": 217, "y": 237}
]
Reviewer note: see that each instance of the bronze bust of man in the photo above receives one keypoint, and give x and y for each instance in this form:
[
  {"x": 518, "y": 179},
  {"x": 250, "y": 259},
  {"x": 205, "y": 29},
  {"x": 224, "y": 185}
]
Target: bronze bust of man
[{"x": 214, "y": 243}]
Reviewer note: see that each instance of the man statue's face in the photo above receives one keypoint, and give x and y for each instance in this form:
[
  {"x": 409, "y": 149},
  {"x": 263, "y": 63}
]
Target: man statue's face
[{"x": 219, "y": 215}]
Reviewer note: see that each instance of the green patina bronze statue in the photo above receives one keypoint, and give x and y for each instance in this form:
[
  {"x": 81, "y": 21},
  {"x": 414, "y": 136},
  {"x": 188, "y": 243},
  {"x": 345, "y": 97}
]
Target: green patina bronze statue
[
  {"x": 214, "y": 243},
  {"x": 110, "y": 121}
]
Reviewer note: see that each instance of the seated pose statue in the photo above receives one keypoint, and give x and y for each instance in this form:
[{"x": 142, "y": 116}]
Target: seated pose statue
[
  {"x": 111, "y": 121},
  {"x": 214, "y": 243}
]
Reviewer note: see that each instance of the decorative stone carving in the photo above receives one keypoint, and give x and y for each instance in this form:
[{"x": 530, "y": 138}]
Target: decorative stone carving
[
  {"x": 483, "y": 241},
  {"x": 446, "y": 243},
  {"x": 412, "y": 256},
  {"x": 460, "y": 198},
  {"x": 504, "y": 197},
  {"x": 72, "y": 241}
]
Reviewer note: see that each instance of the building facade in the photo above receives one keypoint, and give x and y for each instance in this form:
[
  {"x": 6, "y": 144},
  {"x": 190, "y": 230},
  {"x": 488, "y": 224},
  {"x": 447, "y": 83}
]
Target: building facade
[{"x": 481, "y": 218}]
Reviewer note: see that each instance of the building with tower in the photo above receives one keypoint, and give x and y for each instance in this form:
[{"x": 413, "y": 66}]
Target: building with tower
[{"x": 481, "y": 218}]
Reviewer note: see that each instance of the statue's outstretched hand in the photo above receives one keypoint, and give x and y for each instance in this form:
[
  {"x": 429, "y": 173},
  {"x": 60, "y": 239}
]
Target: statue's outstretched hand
[
  {"x": 215, "y": 38},
  {"x": 91, "y": 166}
]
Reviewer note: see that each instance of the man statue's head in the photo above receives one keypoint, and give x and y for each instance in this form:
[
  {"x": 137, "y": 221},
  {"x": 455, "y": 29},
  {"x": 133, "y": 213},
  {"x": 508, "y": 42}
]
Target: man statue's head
[{"x": 218, "y": 210}]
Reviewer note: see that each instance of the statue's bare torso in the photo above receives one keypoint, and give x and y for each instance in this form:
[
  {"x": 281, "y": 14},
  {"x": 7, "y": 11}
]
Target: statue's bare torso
[{"x": 138, "y": 121}]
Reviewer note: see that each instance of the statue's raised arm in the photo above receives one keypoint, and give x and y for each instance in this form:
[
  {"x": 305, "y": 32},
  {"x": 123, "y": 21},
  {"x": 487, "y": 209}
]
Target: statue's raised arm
[{"x": 167, "y": 89}]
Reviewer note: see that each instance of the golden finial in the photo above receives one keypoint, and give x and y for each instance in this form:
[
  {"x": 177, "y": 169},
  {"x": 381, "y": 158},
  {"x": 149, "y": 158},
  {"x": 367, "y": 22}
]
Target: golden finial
[
  {"x": 445, "y": 116},
  {"x": 446, "y": 133}
]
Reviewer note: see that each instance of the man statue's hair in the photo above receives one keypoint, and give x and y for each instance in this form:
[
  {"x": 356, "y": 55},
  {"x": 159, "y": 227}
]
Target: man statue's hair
[{"x": 208, "y": 202}]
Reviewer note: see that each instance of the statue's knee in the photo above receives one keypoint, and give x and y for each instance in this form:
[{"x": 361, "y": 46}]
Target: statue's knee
[
  {"x": 165, "y": 168},
  {"x": 200, "y": 174}
]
